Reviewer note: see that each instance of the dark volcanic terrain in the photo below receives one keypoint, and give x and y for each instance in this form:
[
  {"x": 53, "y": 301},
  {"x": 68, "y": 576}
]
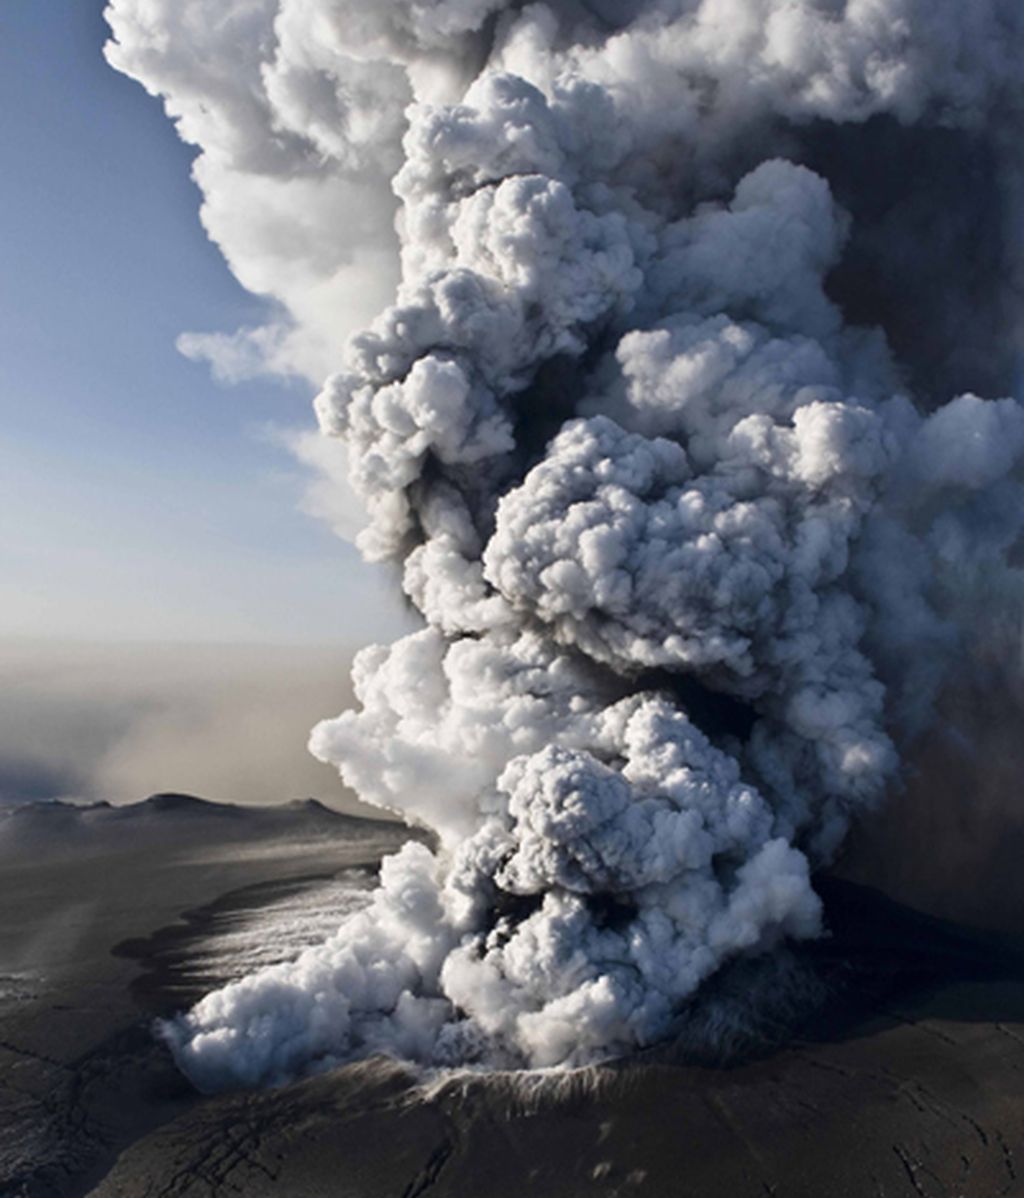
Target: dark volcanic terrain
[
  {"x": 907, "y": 1079},
  {"x": 80, "y": 888}
]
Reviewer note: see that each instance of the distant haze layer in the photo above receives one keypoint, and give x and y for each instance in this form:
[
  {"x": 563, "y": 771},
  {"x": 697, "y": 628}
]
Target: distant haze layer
[{"x": 119, "y": 721}]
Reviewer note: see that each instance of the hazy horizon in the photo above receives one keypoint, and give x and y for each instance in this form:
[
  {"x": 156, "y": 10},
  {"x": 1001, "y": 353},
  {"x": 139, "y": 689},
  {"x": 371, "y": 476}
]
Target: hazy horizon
[{"x": 116, "y": 721}]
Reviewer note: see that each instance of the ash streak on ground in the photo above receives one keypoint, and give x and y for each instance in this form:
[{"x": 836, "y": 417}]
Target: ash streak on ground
[
  {"x": 671, "y": 426},
  {"x": 239, "y": 943}
]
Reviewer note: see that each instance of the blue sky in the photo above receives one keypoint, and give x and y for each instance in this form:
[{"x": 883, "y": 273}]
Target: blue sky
[{"x": 138, "y": 498}]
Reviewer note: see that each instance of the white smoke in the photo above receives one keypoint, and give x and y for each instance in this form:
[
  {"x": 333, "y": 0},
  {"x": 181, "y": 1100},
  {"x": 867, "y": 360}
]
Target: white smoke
[{"x": 661, "y": 422}]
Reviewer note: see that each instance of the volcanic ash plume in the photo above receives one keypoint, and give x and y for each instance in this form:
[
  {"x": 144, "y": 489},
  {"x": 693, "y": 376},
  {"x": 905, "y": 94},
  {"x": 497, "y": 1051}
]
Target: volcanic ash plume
[{"x": 666, "y": 426}]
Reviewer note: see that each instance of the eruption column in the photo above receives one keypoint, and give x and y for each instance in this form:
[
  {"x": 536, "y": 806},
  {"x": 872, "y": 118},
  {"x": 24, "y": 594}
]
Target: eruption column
[{"x": 662, "y": 425}]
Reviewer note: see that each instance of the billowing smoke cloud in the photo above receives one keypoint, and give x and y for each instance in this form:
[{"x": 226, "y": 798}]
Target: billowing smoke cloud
[{"x": 664, "y": 423}]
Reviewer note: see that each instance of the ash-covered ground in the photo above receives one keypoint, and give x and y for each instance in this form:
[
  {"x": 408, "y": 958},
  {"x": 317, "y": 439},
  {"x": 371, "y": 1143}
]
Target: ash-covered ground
[
  {"x": 898, "y": 1070},
  {"x": 83, "y": 890}
]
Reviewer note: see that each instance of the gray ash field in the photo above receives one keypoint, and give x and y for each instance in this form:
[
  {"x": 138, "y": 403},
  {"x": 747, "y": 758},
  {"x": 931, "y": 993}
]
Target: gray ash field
[
  {"x": 903, "y": 1076},
  {"x": 81, "y": 1074}
]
